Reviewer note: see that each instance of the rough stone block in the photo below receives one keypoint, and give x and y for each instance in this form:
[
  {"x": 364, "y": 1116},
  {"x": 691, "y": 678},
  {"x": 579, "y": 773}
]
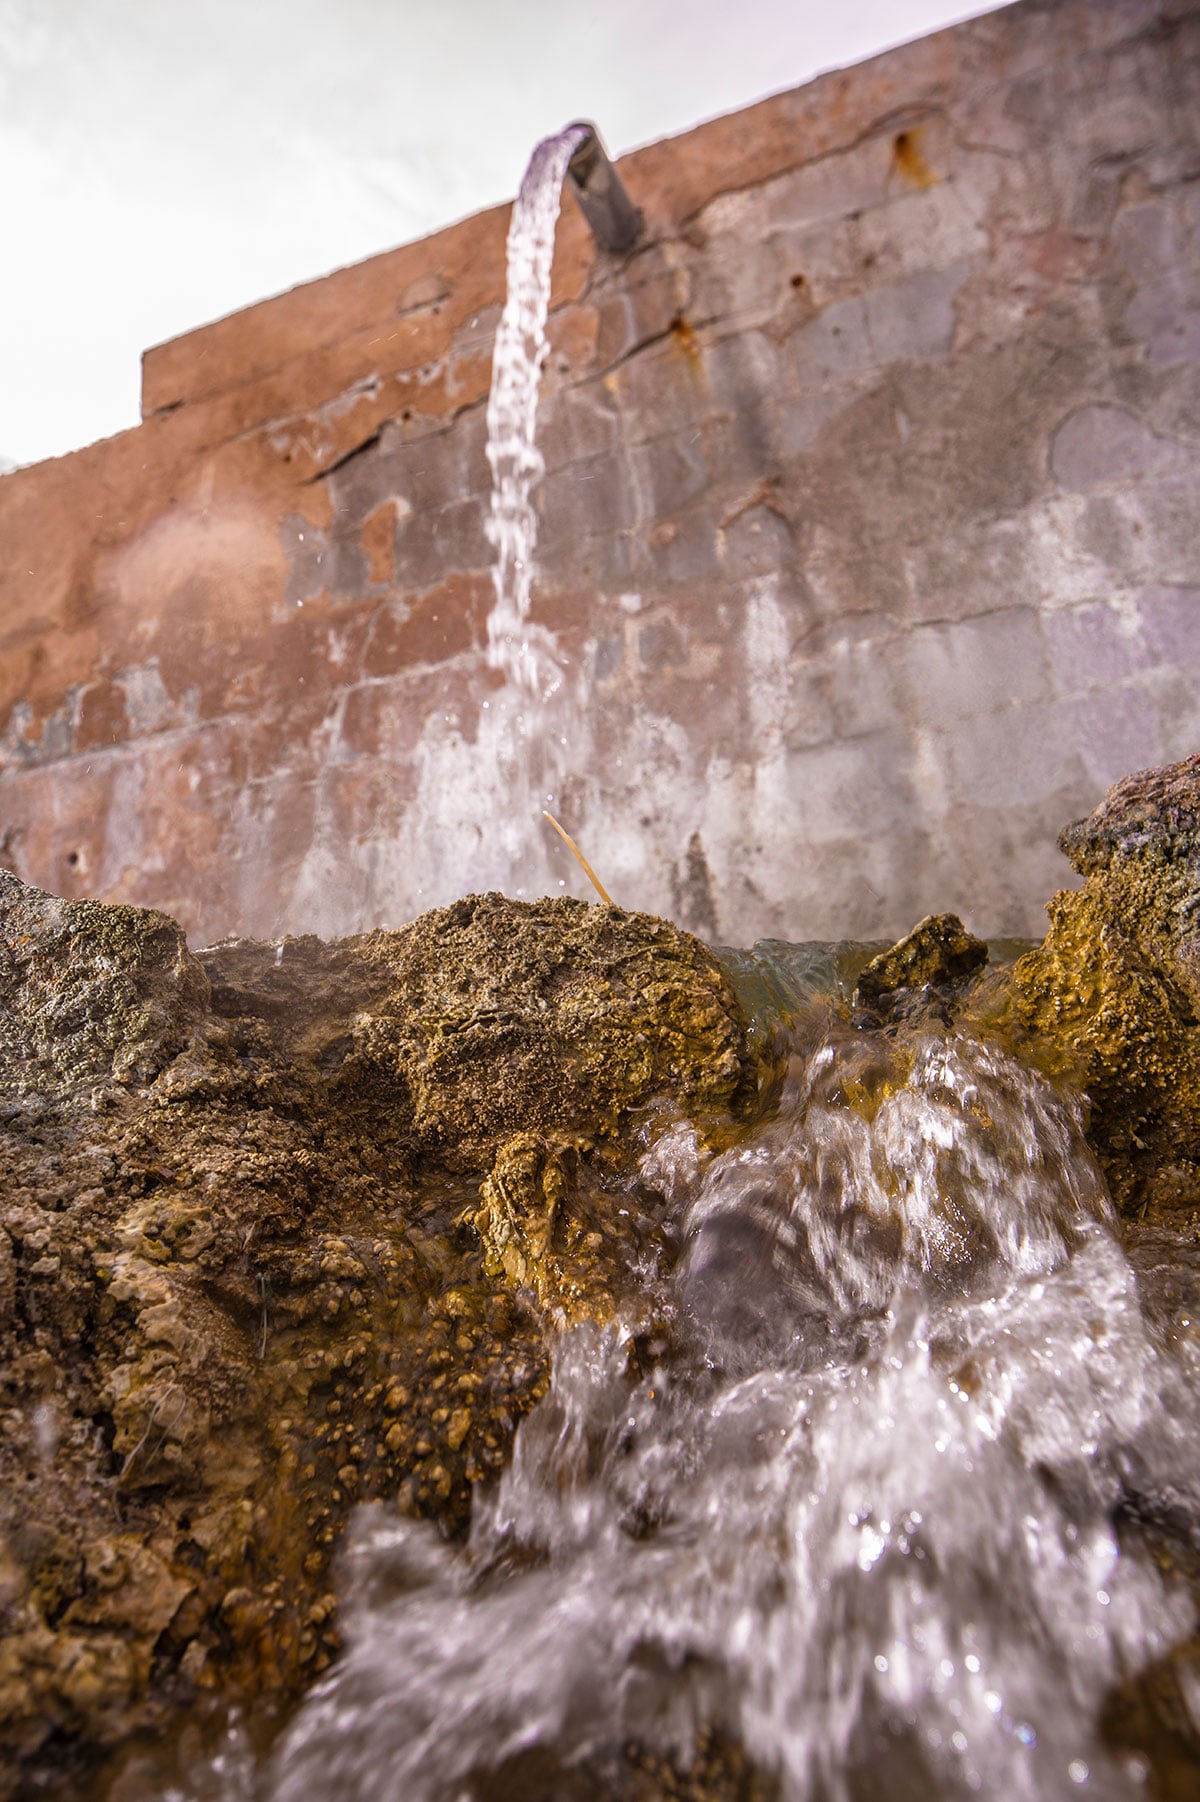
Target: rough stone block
[
  {"x": 738, "y": 278},
  {"x": 669, "y": 473},
  {"x": 914, "y": 319},
  {"x": 660, "y": 389},
  {"x": 596, "y": 495},
  {"x": 1151, "y": 240},
  {"x": 1170, "y": 628},
  {"x": 1014, "y": 758},
  {"x": 833, "y": 348},
  {"x": 681, "y": 550},
  {"x": 739, "y": 367},
  {"x": 915, "y": 232},
  {"x": 757, "y": 541},
  {"x": 437, "y": 541},
  {"x": 860, "y": 788},
  {"x": 861, "y": 682},
  {"x": 1092, "y": 646},
  {"x": 661, "y": 645},
  {"x": 580, "y": 421},
  {"x": 1100, "y": 443},
  {"x": 834, "y": 186},
  {"x": 820, "y": 263},
  {"x": 976, "y": 666},
  {"x": 1167, "y": 317},
  {"x": 1115, "y": 733}
]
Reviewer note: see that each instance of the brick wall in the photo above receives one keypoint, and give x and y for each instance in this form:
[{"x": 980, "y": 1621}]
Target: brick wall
[{"x": 870, "y": 527}]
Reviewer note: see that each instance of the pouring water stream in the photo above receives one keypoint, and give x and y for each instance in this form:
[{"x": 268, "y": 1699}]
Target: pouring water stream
[{"x": 863, "y": 1518}]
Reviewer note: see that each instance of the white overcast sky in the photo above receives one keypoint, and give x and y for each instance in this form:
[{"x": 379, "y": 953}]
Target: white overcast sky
[{"x": 163, "y": 162}]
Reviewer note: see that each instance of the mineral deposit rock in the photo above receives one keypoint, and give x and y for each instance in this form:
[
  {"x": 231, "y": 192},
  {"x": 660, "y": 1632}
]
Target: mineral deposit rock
[
  {"x": 280, "y": 1230},
  {"x": 1111, "y": 996}
]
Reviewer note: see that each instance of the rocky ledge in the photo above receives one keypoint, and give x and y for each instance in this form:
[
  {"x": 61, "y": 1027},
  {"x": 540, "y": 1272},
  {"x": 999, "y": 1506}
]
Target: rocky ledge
[
  {"x": 283, "y": 1226},
  {"x": 281, "y": 1229}
]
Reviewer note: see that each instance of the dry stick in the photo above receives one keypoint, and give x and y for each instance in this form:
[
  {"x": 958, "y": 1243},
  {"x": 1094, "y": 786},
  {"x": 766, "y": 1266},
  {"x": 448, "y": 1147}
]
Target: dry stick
[{"x": 587, "y": 868}]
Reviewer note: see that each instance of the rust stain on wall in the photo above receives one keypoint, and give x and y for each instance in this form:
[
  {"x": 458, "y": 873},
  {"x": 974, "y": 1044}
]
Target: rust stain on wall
[{"x": 908, "y": 158}]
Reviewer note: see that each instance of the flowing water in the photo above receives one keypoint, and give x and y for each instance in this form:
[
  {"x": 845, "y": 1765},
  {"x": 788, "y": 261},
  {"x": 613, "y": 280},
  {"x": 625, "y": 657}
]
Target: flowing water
[
  {"x": 880, "y": 1508},
  {"x": 868, "y": 1517},
  {"x": 527, "y": 656}
]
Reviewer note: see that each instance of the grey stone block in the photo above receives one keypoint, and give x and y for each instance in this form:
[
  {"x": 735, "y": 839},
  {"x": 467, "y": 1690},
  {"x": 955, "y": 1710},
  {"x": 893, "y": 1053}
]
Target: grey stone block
[
  {"x": 917, "y": 232},
  {"x": 678, "y": 551},
  {"x": 1092, "y": 646},
  {"x": 669, "y": 473},
  {"x": 1115, "y": 732},
  {"x": 971, "y": 667},
  {"x": 436, "y": 542},
  {"x": 660, "y": 389},
  {"x": 857, "y": 789},
  {"x": 833, "y": 348},
  {"x": 832, "y": 187},
  {"x": 1170, "y": 627},
  {"x": 595, "y": 495},
  {"x": 1014, "y": 758},
  {"x": 1100, "y": 444},
  {"x": 914, "y": 320},
  {"x": 661, "y": 645}
]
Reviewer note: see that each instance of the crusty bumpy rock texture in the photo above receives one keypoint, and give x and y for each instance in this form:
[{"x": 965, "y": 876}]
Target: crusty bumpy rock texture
[
  {"x": 924, "y": 970},
  {"x": 281, "y": 1227},
  {"x": 1112, "y": 995}
]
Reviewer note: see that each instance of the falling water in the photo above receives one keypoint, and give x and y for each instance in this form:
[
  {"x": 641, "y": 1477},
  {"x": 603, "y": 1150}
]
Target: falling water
[
  {"x": 880, "y": 1508},
  {"x": 527, "y": 655},
  {"x": 871, "y": 1516}
]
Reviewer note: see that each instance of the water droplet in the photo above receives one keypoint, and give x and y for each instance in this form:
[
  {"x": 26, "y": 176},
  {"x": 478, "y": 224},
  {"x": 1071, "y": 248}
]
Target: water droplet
[
  {"x": 972, "y": 1664},
  {"x": 1077, "y": 1771},
  {"x": 881, "y": 1663}
]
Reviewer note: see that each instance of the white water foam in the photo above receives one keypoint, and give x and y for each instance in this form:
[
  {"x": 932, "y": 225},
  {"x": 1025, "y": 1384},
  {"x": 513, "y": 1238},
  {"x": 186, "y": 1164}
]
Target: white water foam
[{"x": 864, "y": 1519}]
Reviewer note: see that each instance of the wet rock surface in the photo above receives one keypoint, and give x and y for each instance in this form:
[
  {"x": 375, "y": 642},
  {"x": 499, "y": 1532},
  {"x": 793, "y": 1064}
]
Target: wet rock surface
[
  {"x": 289, "y": 1227},
  {"x": 1111, "y": 997},
  {"x": 281, "y": 1230},
  {"x": 924, "y": 971}
]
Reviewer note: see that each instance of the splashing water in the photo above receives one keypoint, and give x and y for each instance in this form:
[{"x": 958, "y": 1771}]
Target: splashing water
[
  {"x": 527, "y": 655},
  {"x": 869, "y": 1516}
]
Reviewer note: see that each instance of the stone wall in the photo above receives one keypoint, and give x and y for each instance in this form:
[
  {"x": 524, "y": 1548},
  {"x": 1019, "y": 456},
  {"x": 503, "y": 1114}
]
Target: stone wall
[{"x": 870, "y": 526}]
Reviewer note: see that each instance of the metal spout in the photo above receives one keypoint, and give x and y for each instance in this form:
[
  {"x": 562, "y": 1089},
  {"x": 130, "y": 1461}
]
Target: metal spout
[{"x": 614, "y": 220}]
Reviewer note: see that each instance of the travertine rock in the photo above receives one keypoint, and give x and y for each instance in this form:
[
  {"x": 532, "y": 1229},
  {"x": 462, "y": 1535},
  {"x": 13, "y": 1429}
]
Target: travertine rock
[
  {"x": 278, "y": 1224},
  {"x": 1111, "y": 996}
]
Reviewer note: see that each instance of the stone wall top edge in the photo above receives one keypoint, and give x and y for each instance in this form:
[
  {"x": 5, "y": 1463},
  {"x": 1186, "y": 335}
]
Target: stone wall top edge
[{"x": 671, "y": 178}]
